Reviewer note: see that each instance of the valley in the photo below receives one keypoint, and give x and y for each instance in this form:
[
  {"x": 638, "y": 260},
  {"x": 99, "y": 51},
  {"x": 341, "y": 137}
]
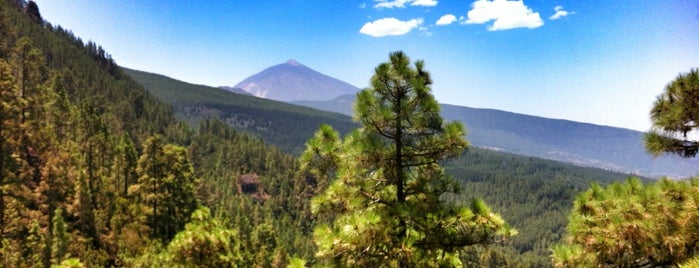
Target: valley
[
  {"x": 487, "y": 174},
  {"x": 106, "y": 166}
]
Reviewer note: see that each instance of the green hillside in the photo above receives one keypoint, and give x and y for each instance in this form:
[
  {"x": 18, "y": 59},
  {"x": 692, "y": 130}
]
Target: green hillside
[
  {"x": 79, "y": 142},
  {"x": 281, "y": 124},
  {"x": 534, "y": 195}
]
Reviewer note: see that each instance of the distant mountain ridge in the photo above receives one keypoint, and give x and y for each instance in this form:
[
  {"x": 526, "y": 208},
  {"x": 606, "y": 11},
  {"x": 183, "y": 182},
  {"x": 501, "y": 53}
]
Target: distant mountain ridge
[
  {"x": 292, "y": 81},
  {"x": 583, "y": 144}
]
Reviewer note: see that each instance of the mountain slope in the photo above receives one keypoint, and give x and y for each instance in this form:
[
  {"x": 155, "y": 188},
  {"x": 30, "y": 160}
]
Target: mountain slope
[
  {"x": 284, "y": 125},
  {"x": 292, "y": 81},
  {"x": 563, "y": 140},
  {"x": 534, "y": 195},
  {"x": 569, "y": 141}
]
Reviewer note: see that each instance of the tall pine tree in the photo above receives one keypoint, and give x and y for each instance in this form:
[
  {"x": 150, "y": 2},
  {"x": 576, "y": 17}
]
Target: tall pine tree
[
  {"x": 385, "y": 207},
  {"x": 165, "y": 188}
]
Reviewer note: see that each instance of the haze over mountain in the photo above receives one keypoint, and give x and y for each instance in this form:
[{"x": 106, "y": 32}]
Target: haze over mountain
[
  {"x": 236, "y": 90},
  {"x": 292, "y": 81}
]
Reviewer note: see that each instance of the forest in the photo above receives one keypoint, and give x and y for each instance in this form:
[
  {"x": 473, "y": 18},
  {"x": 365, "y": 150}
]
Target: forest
[{"x": 98, "y": 170}]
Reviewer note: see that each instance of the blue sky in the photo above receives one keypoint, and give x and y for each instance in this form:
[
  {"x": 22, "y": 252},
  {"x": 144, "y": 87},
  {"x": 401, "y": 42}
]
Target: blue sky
[{"x": 602, "y": 62}]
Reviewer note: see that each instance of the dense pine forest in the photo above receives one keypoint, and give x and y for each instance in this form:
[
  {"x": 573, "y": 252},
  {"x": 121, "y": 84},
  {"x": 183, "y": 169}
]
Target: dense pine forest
[{"x": 99, "y": 170}]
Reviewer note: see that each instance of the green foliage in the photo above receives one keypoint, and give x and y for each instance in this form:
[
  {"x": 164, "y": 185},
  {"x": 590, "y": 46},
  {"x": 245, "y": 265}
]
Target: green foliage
[
  {"x": 69, "y": 263},
  {"x": 205, "y": 241},
  {"x": 34, "y": 246},
  {"x": 61, "y": 239},
  {"x": 691, "y": 263},
  {"x": 534, "y": 195},
  {"x": 57, "y": 143},
  {"x": 384, "y": 206},
  {"x": 632, "y": 224},
  {"x": 297, "y": 263},
  {"x": 222, "y": 156},
  {"x": 674, "y": 116},
  {"x": 321, "y": 158},
  {"x": 165, "y": 188}
]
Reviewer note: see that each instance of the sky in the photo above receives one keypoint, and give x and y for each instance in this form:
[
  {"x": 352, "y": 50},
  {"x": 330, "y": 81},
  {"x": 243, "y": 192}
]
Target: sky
[{"x": 601, "y": 62}]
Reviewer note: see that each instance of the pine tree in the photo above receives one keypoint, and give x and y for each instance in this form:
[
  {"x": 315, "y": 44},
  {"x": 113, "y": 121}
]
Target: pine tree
[
  {"x": 32, "y": 10},
  {"x": 34, "y": 245},
  {"x": 124, "y": 167},
  {"x": 21, "y": 143},
  {"x": 674, "y": 115},
  {"x": 264, "y": 243},
  {"x": 385, "y": 207},
  {"x": 631, "y": 224},
  {"x": 205, "y": 242},
  {"x": 60, "y": 238},
  {"x": 166, "y": 187},
  {"x": 9, "y": 136},
  {"x": 83, "y": 210}
]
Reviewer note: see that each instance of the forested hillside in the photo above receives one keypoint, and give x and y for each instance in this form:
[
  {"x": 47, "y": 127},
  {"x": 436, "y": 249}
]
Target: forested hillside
[
  {"x": 96, "y": 171},
  {"x": 532, "y": 194},
  {"x": 281, "y": 124}
]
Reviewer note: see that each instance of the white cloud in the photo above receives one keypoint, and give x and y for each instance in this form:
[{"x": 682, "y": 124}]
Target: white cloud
[
  {"x": 504, "y": 14},
  {"x": 424, "y": 3},
  {"x": 560, "y": 13},
  {"x": 390, "y": 3},
  {"x": 389, "y": 26},
  {"x": 446, "y": 19},
  {"x": 402, "y": 3},
  {"x": 425, "y": 31}
]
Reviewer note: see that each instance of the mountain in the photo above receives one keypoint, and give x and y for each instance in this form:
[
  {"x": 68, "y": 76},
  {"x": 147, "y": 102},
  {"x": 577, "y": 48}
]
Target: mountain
[
  {"x": 562, "y": 140},
  {"x": 284, "y": 125},
  {"x": 288, "y": 126},
  {"x": 292, "y": 81}
]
